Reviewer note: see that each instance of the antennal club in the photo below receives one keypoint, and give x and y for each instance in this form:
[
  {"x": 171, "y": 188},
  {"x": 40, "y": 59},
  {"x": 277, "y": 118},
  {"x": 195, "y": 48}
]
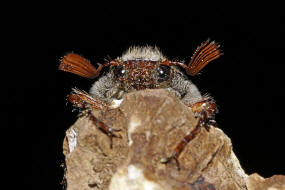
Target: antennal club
[
  {"x": 204, "y": 54},
  {"x": 79, "y": 65}
]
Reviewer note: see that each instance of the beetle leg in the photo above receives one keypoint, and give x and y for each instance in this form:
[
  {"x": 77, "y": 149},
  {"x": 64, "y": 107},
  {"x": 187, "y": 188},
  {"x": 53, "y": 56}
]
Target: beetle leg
[
  {"x": 105, "y": 129},
  {"x": 175, "y": 154},
  {"x": 86, "y": 104},
  {"x": 205, "y": 110},
  {"x": 83, "y": 100}
]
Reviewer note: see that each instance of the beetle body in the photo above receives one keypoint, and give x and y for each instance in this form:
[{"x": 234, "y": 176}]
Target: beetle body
[{"x": 142, "y": 68}]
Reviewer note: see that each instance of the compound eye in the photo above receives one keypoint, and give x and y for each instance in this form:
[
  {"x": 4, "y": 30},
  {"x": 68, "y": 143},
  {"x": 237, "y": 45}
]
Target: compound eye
[
  {"x": 119, "y": 71},
  {"x": 163, "y": 73}
]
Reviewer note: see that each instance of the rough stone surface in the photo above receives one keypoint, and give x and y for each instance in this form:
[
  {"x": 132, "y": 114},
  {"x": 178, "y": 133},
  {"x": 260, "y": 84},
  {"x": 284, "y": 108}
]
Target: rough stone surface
[
  {"x": 152, "y": 123},
  {"x": 256, "y": 182}
]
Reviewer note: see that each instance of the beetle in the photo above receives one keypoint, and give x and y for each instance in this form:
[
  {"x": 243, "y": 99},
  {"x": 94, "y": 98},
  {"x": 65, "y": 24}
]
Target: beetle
[{"x": 142, "y": 68}]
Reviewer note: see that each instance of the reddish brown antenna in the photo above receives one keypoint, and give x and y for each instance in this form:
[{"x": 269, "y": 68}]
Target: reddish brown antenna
[
  {"x": 77, "y": 64},
  {"x": 204, "y": 54}
]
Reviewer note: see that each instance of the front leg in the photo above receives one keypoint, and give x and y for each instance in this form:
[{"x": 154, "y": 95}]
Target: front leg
[
  {"x": 86, "y": 104},
  {"x": 208, "y": 106},
  {"x": 205, "y": 111}
]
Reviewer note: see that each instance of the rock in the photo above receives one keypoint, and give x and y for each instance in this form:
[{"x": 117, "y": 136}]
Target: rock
[
  {"x": 152, "y": 123},
  {"x": 256, "y": 182},
  {"x": 90, "y": 162}
]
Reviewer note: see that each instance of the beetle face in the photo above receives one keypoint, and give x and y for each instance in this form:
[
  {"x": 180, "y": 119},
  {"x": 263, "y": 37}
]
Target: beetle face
[
  {"x": 142, "y": 74},
  {"x": 140, "y": 68}
]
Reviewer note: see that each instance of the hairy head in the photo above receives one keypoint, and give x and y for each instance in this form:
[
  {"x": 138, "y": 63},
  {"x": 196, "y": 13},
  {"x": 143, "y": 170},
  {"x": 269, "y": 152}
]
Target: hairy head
[{"x": 140, "y": 68}]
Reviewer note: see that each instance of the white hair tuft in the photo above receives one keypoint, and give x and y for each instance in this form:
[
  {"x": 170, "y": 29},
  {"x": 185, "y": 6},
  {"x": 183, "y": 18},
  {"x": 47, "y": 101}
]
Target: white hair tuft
[{"x": 147, "y": 53}]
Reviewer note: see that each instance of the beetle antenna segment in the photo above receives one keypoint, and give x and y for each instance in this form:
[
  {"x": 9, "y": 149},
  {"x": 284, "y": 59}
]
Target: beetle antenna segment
[
  {"x": 79, "y": 65},
  {"x": 204, "y": 54}
]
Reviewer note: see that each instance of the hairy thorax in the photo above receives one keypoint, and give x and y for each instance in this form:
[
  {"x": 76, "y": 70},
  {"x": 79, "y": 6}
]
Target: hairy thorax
[{"x": 143, "y": 68}]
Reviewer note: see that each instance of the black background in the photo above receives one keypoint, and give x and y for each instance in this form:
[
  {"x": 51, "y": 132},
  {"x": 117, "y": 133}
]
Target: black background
[{"x": 246, "y": 82}]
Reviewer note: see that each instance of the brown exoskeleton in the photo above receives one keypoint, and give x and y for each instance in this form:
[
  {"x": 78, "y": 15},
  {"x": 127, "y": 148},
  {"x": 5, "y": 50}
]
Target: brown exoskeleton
[{"x": 142, "y": 68}]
